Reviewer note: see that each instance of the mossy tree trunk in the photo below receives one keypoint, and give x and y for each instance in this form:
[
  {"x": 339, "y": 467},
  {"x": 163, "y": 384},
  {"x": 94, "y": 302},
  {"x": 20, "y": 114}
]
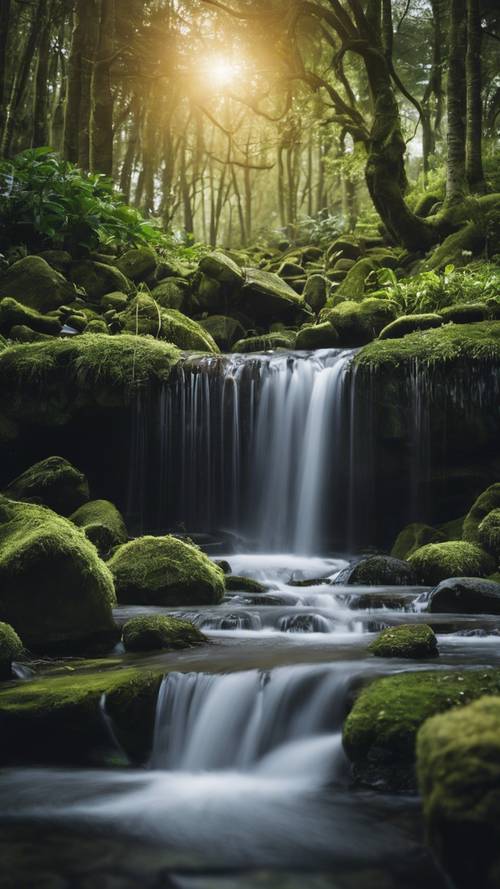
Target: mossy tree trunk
[
  {"x": 456, "y": 185},
  {"x": 474, "y": 160},
  {"x": 101, "y": 141}
]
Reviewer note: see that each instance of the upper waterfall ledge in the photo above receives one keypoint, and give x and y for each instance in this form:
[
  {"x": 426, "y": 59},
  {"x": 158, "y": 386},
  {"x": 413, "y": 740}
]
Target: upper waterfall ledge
[{"x": 438, "y": 346}]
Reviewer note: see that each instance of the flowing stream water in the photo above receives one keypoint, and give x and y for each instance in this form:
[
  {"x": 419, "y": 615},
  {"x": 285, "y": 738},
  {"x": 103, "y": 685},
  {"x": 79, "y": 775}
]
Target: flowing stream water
[{"x": 247, "y": 785}]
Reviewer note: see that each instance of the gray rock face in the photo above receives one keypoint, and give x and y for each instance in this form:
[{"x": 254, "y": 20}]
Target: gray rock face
[
  {"x": 465, "y": 595},
  {"x": 378, "y": 571}
]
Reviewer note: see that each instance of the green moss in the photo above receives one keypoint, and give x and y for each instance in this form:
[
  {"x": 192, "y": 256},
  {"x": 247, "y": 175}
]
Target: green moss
[
  {"x": 237, "y": 584},
  {"x": 54, "y": 589},
  {"x": 354, "y": 284},
  {"x": 455, "y": 558},
  {"x": 266, "y": 343},
  {"x": 52, "y": 482},
  {"x": 465, "y": 313},
  {"x": 32, "y": 282},
  {"x": 146, "y": 316},
  {"x": 413, "y": 537},
  {"x": 408, "y": 324},
  {"x": 102, "y": 524},
  {"x": 381, "y": 729},
  {"x": 13, "y": 314},
  {"x": 489, "y": 533},
  {"x": 11, "y": 647},
  {"x": 317, "y": 336},
  {"x": 60, "y": 717},
  {"x": 165, "y": 571},
  {"x": 137, "y": 263},
  {"x": 407, "y": 641},
  {"x": 224, "y": 330},
  {"x": 445, "y": 345},
  {"x": 485, "y": 503},
  {"x": 458, "y": 764},
  {"x": 358, "y": 322},
  {"x": 452, "y": 530},
  {"x": 153, "y": 632},
  {"x": 98, "y": 278}
]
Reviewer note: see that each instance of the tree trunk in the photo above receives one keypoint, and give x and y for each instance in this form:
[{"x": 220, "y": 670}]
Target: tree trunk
[
  {"x": 456, "y": 181},
  {"x": 5, "y": 8},
  {"x": 22, "y": 76},
  {"x": 78, "y": 98},
  {"x": 474, "y": 159},
  {"x": 41, "y": 104},
  {"x": 101, "y": 141}
]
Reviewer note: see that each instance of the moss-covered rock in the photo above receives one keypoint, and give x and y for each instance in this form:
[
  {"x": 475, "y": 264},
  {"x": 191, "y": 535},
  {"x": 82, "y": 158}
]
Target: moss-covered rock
[
  {"x": 60, "y": 718},
  {"x": 11, "y": 648},
  {"x": 413, "y": 537},
  {"x": 237, "y": 584},
  {"x": 353, "y": 287},
  {"x": 316, "y": 291},
  {"x": 409, "y": 324},
  {"x": 265, "y": 343},
  {"x": 52, "y": 482},
  {"x": 221, "y": 268},
  {"x": 138, "y": 263},
  {"x": 145, "y": 316},
  {"x": 380, "y": 731},
  {"x": 170, "y": 293},
  {"x": 489, "y": 533},
  {"x": 358, "y": 323},
  {"x": 455, "y": 558},
  {"x": 97, "y": 278},
  {"x": 484, "y": 504},
  {"x": 116, "y": 300},
  {"x": 96, "y": 325},
  {"x": 13, "y": 313},
  {"x": 224, "y": 330},
  {"x": 406, "y": 641},
  {"x": 443, "y": 346},
  {"x": 102, "y": 524},
  {"x": 165, "y": 571},
  {"x": 457, "y": 248},
  {"x": 466, "y": 313},
  {"x": 317, "y": 336},
  {"x": 54, "y": 589},
  {"x": 32, "y": 282},
  {"x": 21, "y": 333},
  {"x": 155, "y": 632},
  {"x": 465, "y": 595},
  {"x": 458, "y": 764},
  {"x": 378, "y": 571},
  {"x": 266, "y": 296}
]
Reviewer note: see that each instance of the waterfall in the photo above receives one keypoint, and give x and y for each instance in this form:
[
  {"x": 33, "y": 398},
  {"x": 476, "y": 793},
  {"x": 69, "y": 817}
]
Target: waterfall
[{"x": 288, "y": 719}]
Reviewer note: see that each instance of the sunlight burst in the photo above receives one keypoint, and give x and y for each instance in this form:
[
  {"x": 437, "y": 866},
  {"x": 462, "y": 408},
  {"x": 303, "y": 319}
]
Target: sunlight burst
[{"x": 222, "y": 72}]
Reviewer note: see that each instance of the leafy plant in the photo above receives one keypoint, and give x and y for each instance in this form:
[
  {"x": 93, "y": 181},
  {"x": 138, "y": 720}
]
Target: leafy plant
[
  {"x": 431, "y": 291},
  {"x": 45, "y": 200}
]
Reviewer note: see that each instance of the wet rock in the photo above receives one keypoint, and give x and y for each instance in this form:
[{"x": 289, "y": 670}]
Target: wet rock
[
  {"x": 60, "y": 260},
  {"x": 358, "y": 323},
  {"x": 155, "y": 632},
  {"x": 316, "y": 291},
  {"x": 406, "y": 641},
  {"x": 33, "y": 283},
  {"x": 370, "y": 601},
  {"x": 465, "y": 595},
  {"x": 455, "y": 558},
  {"x": 380, "y": 732},
  {"x": 413, "y": 537},
  {"x": 237, "y": 584},
  {"x": 489, "y": 533},
  {"x": 11, "y": 648},
  {"x": 317, "y": 336},
  {"x": 484, "y": 504},
  {"x": 353, "y": 287},
  {"x": 20, "y": 333},
  {"x": 378, "y": 571},
  {"x": 138, "y": 263},
  {"x": 102, "y": 524},
  {"x": 13, "y": 313},
  {"x": 145, "y": 316},
  {"x": 466, "y": 313},
  {"x": 52, "y": 482},
  {"x": 116, "y": 300},
  {"x": 224, "y": 330},
  {"x": 96, "y": 279},
  {"x": 266, "y": 343},
  {"x": 165, "y": 571},
  {"x": 409, "y": 324},
  {"x": 266, "y": 296},
  {"x": 458, "y": 763}
]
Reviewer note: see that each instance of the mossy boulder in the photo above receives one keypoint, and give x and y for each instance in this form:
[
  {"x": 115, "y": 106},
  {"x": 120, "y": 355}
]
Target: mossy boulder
[
  {"x": 237, "y": 584},
  {"x": 52, "y": 482},
  {"x": 98, "y": 278},
  {"x": 165, "y": 571},
  {"x": 137, "y": 263},
  {"x": 347, "y": 248},
  {"x": 60, "y": 260},
  {"x": 465, "y": 595},
  {"x": 11, "y": 648},
  {"x": 54, "y": 589},
  {"x": 316, "y": 291},
  {"x": 378, "y": 571},
  {"x": 102, "y": 524},
  {"x": 265, "y": 343},
  {"x": 485, "y": 503},
  {"x": 458, "y": 765},
  {"x": 221, "y": 268},
  {"x": 155, "y": 632},
  {"x": 34, "y": 283},
  {"x": 64, "y": 714},
  {"x": 466, "y": 313},
  {"x": 380, "y": 732},
  {"x": 358, "y": 323},
  {"x": 413, "y": 537},
  {"x": 455, "y": 558},
  {"x": 405, "y": 641},
  {"x": 13, "y": 313},
  {"x": 409, "y": 324},
  {"x": 170, "y": 293},
  {"x": 317, "y": 336},
  {"x": 353, "y": 287},
  {"x": 266, "y": 296},
  {"x": 115, "y": 300},
  {"x": 444, "y": 347},
  {"x": 224, "y": 330},
  {"x": 145, "y": 316},
  {"x": 96, "y": 325},
  {"x": 21, "y": 333},
  {"x": 489, "y": 533},
  {"x": 458, "y": 247}
]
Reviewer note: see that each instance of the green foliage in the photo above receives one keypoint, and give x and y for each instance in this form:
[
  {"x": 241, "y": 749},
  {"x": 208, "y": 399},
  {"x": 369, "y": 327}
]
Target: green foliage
[
  {"x": 46, "y": 200},
  {"x": 432, "y": 291}
]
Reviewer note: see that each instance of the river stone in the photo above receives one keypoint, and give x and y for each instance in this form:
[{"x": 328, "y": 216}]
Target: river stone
[
  {"x": 317, "y": 336},
  {"x": 413, "y": 536},
  {"x": 409, "y": 324},
  {"x": 170, "y": 293},
  {"x": 316, "y": 291},
  {"x": 222, "y": 269},
  {"x": 52, "y": 482},
  {"x": 458, "y": 765},
  {"x": 237, "y": 584},
  {"x": 152, "y": 632},
  {"x": 224, "y": 330},
  {"x": 266, "y": 296},
  {"x": 378, "y": 571},
  {"x": 489, "y": 533},
  {"x": 465, "y": 595},
  {"x": 405, "y": 641},
  {"x": 34, "y": 283},
  {"x": 484, "y": 504},
  {"x": 455, "y": 558}
]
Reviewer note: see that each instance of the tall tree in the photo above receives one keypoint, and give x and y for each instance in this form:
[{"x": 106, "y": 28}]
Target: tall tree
[
  {"x": 101, "y": 151},
  {"x": 78, "y": 98},
  {"x": 474, "y": 158},
  {"x": 456, "y": 98}
]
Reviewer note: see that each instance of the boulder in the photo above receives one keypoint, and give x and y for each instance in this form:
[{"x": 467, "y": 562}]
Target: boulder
[
  {"x": 13, "y": 313},
  {"x": 60, "y": 260},
  {"x": 489, "y": 533},
  {"x": 102, "y": 524},
  {"x": 97, "y": 278},
  {"x": 54, "y": 589},
  {"x": 413, "y": 537},
  {"x": 53, "y": 482},
  {"x": 96, "y": 325},
  {"x": 34, "y": 283},
  {"x": 20, "y": 333},
  {"x": 455, "y": 558},
  {"x": 346, "y": 247},
  {"x": 237, "y": 584},
  {"x": 155, "y": 632},
  {"x": 266, "y": 296},
  {"x": 170, "y": 293},
  {"x": 409, "y": 324},
  {"x": 484, "y": 504},
  {"x": 116, "y": 300},
  {"x": 316, "y": 291},
  {"x": 210, "y": 294},
  {"x": 165, "y": 571},
  {"x": 145, "y": 316},
  {"x": 458, "y": 765},
  {"x": 11, "y": 648},
  {"x": 353, "y": 286},
  {"x": 359, "y": 323},
  {"x": 317, "y": 336},
  {"x": 466, "y": 313},
  {"x": 406, "y": 641},
  {"x": 380, "y": 732},
  {"x": 378, "y": 571},
  {"x": 137, "y": 263},
  {"x": 224, "y": 330},
  {"x": 221, "y": 268},
  {"x": 465, "y": 595},
  {"x": 266, "y": 343}
]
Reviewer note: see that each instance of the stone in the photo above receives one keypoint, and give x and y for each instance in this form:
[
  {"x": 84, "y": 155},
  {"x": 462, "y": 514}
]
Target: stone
[
  {"x": 378, "y": 571},
  {"x": 409, "y": 324},
  {"x": 34, "y": 283},
  {"x": 224, "y": 330},
  {"x": 222, "y": 269},
  {"x": 405, "y": 641},
  {"x": 317, "y": 336},
  {"x": 102, "y": 524},
  {"x": 11, "y": 648},
  {"x": 156, "y": 632},
  {"x": 137, "y": 263},
  {"x": 484, "y": 504},
  {"x": 455, "y": 558},
  {"x": 316, "y": 291},
  {"x": 413, "y": 537},
  {"x": 52, "y": 482},
  {"x": 465, "y": 595},
  {"x": 97, "y": 278}
]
